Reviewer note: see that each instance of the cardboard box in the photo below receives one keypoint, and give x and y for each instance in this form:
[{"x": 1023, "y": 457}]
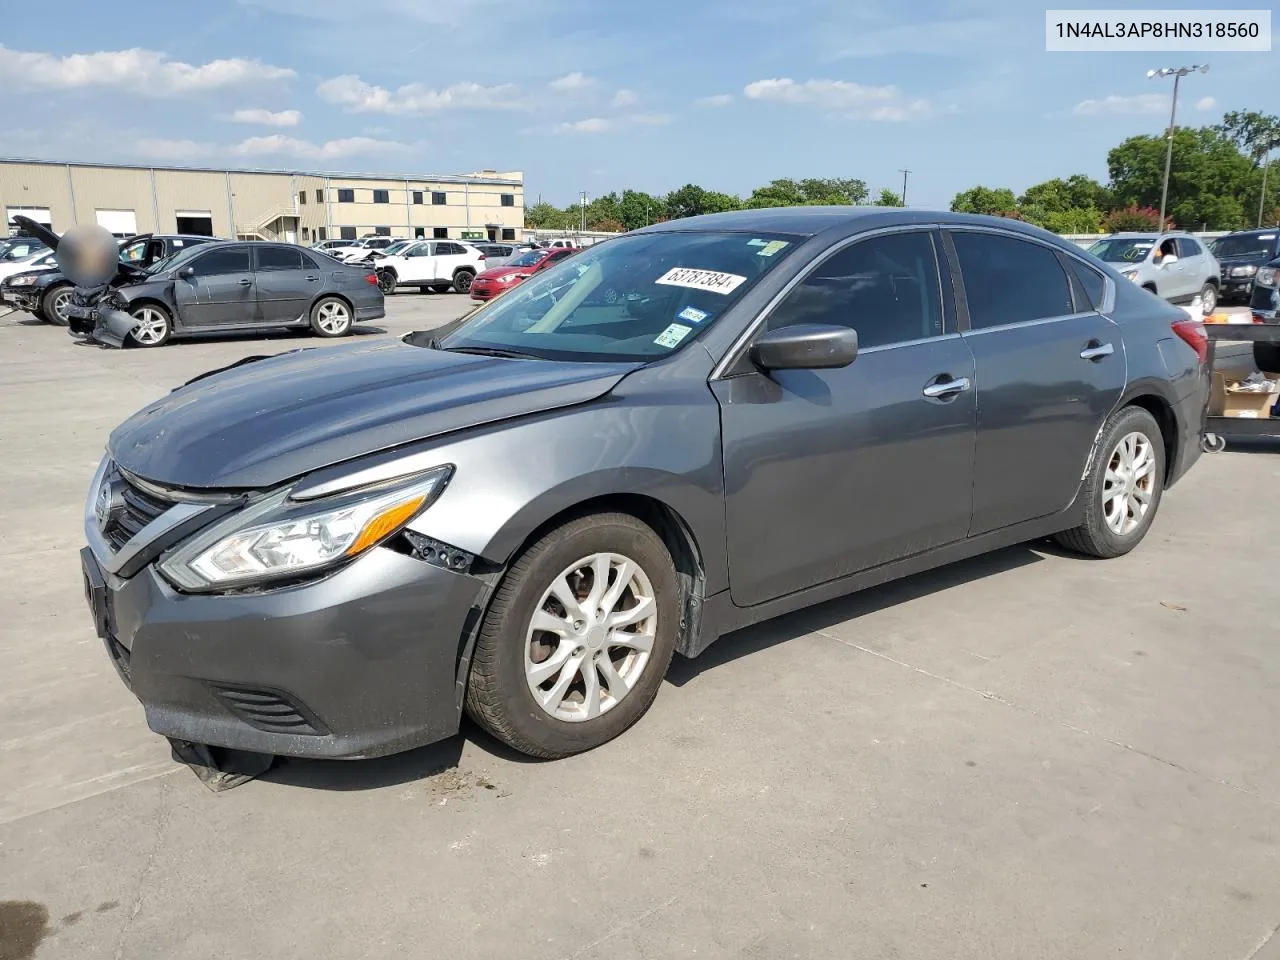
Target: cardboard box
[{"x": 1226, "y": 400}]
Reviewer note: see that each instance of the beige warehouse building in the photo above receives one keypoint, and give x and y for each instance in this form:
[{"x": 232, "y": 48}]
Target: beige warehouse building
[{"x": 263, "y": 204}]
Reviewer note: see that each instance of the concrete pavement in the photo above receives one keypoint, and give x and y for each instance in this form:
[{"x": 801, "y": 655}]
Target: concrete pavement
[{"x": 1027, "y": 755}]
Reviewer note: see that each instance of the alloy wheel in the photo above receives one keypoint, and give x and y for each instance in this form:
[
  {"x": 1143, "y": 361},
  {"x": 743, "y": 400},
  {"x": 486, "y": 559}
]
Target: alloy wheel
[
  {"x": 333, "y": 318},
  {"x": 152, "y": 328},
  {"x": 1129, "y": 483},
  {"x": 590, "y": 637},
  {"x": 61, "y": 301},
  {"x": 462, "y": 282}
]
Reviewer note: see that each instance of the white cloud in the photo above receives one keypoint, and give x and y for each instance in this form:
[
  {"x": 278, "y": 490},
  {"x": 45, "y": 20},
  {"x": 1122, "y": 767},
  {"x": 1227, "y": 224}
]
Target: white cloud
[
  {"x": 141, "y": 71},
  {"x": 852, "y": 100},
  {"x": 648, "y": 119},
  {"x": 590, "y": 125},
  {"x": 717, "y": 100},
  {"x": 571, "y": 81},
  {"x": 600, "y": 124},
  {"x": 159, "y": 148},
  {"x": 1138, "y": 103},
  {"x": 624, "y": 98},
  {"x": 278, "y": 143},
  {"x": 358, "y": 96},
  {"x": 1206, "y": 103},
  {"x": 268, "y": 118}
]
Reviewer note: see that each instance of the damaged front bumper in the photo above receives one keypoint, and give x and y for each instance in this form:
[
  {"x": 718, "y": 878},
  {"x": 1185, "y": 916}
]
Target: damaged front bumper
[{"x": 108, "y": 327}]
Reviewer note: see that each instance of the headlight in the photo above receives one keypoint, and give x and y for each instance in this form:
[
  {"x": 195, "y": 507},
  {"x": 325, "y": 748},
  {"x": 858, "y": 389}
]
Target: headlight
[
  {"x": 1247, "y": 271},
  {"x": 1267, "y": 277},
  {"x": 1131, "y": 274},
  {"x": 23, "y": 282},
  {"x": 510, "y": 278},
  {"x": 279, "y": 537}
]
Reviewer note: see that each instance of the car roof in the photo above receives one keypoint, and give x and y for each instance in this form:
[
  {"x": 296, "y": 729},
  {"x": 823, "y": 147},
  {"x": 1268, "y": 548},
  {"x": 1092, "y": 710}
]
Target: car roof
[{"x": 1246, "y": 233}]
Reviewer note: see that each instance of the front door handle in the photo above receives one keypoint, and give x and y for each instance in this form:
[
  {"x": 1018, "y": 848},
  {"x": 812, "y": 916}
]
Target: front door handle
[
  {"x": 1096, "y": 351},
  {"x": 946, "y": 388},
  {"x": 246, "y": 283},
  {"x": 311, "y": 279}
]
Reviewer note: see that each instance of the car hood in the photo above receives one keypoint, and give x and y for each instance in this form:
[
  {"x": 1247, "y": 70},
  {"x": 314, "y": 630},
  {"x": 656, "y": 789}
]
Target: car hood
[
  {"x": 496, "y": 273},
  {"x": 1247, "y": 259},
  {"x": 262, "y": 423}
]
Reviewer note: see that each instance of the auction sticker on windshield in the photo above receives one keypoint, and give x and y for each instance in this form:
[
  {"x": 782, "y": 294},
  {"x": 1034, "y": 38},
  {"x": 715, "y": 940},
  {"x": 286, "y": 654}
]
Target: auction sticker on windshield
[
  {"x": 672, "y": 336},
  {"x": 709, "y": 280}
]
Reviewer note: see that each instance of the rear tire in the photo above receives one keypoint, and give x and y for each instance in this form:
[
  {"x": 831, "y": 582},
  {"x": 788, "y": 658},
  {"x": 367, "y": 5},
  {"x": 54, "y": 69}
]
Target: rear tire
[
  {"x": 54, "y": 303},
  {"x": 331, "y": 317},
  {"x": 593, "y": 677},
  {"x": 462, "y": 281},
  {"x": 387, "y": 282},
  {"x": 1122, "y": 492}
]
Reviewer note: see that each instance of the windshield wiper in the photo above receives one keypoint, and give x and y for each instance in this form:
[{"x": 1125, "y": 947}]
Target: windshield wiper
[{"x": 493, "y": 352}]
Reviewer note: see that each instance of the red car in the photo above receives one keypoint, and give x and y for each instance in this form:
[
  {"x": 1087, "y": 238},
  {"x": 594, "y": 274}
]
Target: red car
[{"x": 515, "y": 271}]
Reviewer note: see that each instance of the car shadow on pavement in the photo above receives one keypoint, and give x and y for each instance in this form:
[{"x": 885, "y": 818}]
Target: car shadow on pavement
[{"x": 752, "y": 639}]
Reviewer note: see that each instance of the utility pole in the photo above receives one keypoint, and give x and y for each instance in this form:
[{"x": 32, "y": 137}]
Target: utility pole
[
  {"x": 1262, "y": 197},
  {"x": 583, "y": 227},
  {"x": 904, "y": 186},
  {"x": 1177, "y": 73}
]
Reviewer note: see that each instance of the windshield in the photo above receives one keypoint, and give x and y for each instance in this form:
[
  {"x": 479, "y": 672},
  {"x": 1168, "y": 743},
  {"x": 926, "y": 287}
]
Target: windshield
[
  {"x": 175, "y": 259},
  {"x": 1245, "y": 245},
  {"x": 530, "y": 259},
  {"x": 640, "y": 297},
  {"x": 1122, "y": 250},
  {"x": 398, "y": 246}
]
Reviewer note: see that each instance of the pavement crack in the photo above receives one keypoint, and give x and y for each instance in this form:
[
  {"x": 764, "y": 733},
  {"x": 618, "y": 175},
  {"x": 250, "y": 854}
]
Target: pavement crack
[
  {"x": 1012, "y": 705},
  {"x": 633, "y": 922},
  {"x": 162, "y": 823},
  {"x": 1269, "y": 940}
]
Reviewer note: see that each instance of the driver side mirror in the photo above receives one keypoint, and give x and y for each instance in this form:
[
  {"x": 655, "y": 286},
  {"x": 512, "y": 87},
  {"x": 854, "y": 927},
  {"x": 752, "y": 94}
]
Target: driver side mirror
[
  {"x": 187, "y": 273},
  {"x": 806, "y": 346}
]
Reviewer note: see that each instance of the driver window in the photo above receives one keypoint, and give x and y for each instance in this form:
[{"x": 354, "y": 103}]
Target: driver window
[
  {"x": 1167, "y": 249},
  {"x": 886, "y": 288}
]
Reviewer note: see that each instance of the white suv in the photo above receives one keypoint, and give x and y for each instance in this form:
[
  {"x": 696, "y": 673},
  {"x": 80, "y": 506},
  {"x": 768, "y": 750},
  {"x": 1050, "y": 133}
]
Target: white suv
[{"x": 431, "y": 265}]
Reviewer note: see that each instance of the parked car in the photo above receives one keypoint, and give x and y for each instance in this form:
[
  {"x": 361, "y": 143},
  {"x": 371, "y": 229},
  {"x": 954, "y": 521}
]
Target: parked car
[
  {"x": 326, "y": 246},
  {"x": 21, "y": 247},
  {"x": 367, "y": 255},
  {"x": 437, "y": 265},
  {"x": 230, "y": 287},
  {"x": 497, "y": 280},
  {"x": 34, "y": 257},
  {"x": 1174, "y": 266},
  {"x": 1240, "y": 256},
  {"x": 496, "y": 254},
  {"x": 1264, "y": 304},
  {"x": 360, "y": 249},
  {"x": 691, "y": 428},
  {"x": 46, "y": 293}
]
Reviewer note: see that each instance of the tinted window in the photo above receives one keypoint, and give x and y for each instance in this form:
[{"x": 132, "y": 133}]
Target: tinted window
[
  {"x": 439, "y": 197},
  {"x": 508, "y": 199},
  {"x": 439, "y": 232},
  {"x": 1092, "y": 282},
  {"x": 1259, "y": 245},
  {"x": 347, "y": 233},
  {"x": 320, "y": 198},
  {"x": 1188, "y": 247},
  {"x": 279, "y": 258},
  {"x": 449, "y": 249},
  {"x": 1010, "y": 281},
  {"x": 886, "y": 288},
  {"x": 346, "y": 196},
  {"x": 508, "y": 233},
  {"x": 417, "y": 196},
  {"x": 382, "y": 196},
  {"x": 302, "y": 197},
  {"x": 222, "y": 260}
]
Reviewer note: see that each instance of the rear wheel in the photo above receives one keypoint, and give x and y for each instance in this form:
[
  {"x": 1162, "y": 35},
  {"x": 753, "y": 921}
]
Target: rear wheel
[
  {"x": 331, "y": 317},
  {"x": 578, "y": 637},
  {"x": 1209, "y": 297},
  {"x": 462, "y": 281},
  {"x": 1123, "y": 489},
  {"x": 53, "y": 305},
  {"x": 155, "y": 326},
  {"x": 387, "y": 282}
]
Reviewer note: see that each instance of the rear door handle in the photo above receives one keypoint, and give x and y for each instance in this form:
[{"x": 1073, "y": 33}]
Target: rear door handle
[
  {"x": 1096, "y": 351},
  {"x": 946, "y": 388},
  {"x": 311, "y": 279},
  {"x": 246, "y": 283}
]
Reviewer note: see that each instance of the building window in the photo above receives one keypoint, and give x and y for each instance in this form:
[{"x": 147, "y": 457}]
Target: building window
[
  {"x": 320, "y": 196},
  {"x": 440, "y": 233},
  {"x": 347, "y": 233},
  {"x": 508, "y": 233},
  {"x": 382, "y": 231},
  {"x": 417, "y": 196},
  {"x": 346, "y": 196},
  {"x": 439, "y": 198},
  {"x": 322, "y": 233},
  {"x": 419, "y": 233},
  {"x": 508, "y": 199},
  {"x": 382, "y": 196},
  {"x": 302, "y": 196},
  {"x": 306, "y": 233}
]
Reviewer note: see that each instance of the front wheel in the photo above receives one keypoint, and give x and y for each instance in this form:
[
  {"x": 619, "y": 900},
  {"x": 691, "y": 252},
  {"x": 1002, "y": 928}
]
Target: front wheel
[
  {"x": 154, "y": 328},
  {"x": 1123, "y": 489},
  {"x": 1209, "y": 297},
  {"x": 53, "y": 305},
  {"x": 578, "y": 637},
  {"x": 462, "y": 281},
  {"x": 331, "y": 317}
]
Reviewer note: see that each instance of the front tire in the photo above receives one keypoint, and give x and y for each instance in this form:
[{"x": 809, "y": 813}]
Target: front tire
[
  {"x": 331, "y": 317},
  {"x": 577, "y": 639},
  {"x": 1123, "y": 489},
  {"x": 1209, "y": 297},
  {"x": 462, "y": 281},
  {"x": 54, "y": 303},
  {"x": 154, "y": 328}
]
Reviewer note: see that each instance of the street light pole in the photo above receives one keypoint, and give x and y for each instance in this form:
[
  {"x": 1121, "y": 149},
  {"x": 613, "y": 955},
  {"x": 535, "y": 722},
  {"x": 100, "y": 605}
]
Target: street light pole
[
  {"x": 1177, "y": 73},
  {"x": 904, "y": 186},
  {"x": 1262, "y": 198}
]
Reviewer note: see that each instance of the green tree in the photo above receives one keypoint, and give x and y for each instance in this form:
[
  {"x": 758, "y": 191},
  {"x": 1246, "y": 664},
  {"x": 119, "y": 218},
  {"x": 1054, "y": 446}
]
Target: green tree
[
  {"x": 888, "y": 198},
  {"x": 810, "y": 192},
  {"x": 545, "y": 216},
  {"x": 637, "y": 209},
  {"x": 604, "y": 209},
  {"x": 1255, "y": 134},
  {"x": 991, "y": 201},
  {"x": 692, "y": 201}
]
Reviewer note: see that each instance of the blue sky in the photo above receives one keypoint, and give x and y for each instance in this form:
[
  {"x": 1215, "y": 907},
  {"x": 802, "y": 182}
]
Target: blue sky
[{"x": 596, "y": 95}]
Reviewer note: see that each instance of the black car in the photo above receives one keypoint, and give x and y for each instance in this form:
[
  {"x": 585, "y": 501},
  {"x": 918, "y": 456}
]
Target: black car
[
  {"x": 1240, "y": 256},
  {"x": 46, "y": 293}
]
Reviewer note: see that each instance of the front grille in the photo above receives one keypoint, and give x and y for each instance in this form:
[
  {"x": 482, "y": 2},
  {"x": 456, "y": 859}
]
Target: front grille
[
  {"x": 268, "y": 710},
  {"x": 138, "y": 508}
]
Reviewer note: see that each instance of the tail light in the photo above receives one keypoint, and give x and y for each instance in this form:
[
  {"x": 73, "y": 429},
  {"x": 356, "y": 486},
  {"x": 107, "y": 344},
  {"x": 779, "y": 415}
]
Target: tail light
[
  {"x": 1194, "y": 336},
  {"x": 371, "y": 278},
  {"x": 482, "y": 256}
]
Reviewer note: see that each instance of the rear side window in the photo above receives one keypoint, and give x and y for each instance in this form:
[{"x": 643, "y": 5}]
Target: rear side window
[
  {"x": 886, "y": 288},
  {"x": 449, "y": 250},
  {"x": 1187, "y": 247},
  {"x": 1091, "y": 282},
  {"x": 222, "y": 260},
  {"x": 1007, "y": 280},
  {"x": 279, "y": 258}
]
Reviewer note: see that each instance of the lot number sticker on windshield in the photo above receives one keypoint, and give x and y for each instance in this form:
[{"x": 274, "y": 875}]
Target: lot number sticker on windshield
[
  {"x": 709, "y": 280},
  {"x": 672, "y": 336}
]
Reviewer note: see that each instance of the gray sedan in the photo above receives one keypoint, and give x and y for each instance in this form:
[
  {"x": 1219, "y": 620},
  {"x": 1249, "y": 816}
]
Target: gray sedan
[
  {"x": 669, "y": 436},
  {"x": 235, "y": 287}
]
